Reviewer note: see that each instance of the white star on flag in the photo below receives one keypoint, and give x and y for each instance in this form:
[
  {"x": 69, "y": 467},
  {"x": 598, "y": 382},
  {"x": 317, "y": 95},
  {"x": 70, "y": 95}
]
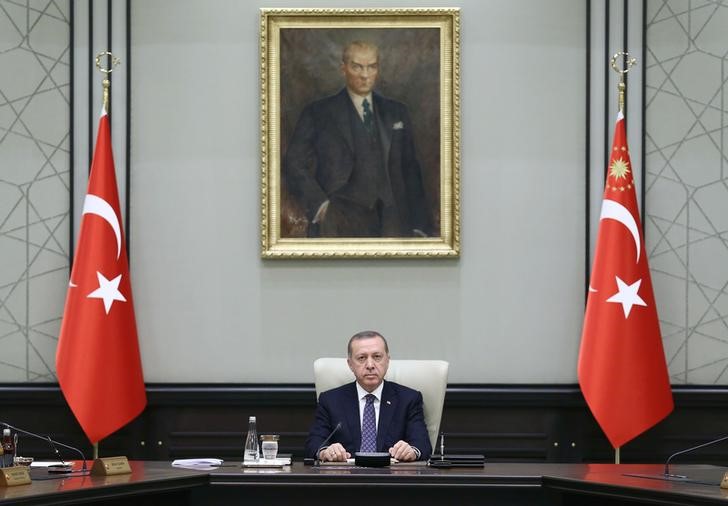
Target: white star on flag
[
  {"x": 627, "y": 295},
  {"x": 107, "y": 290}
]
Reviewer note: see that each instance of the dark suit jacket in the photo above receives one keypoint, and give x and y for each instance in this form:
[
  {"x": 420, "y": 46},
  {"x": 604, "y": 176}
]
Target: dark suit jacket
[
  {"x": 320, "y": 157},
  {"x": 400, "y": 418}
]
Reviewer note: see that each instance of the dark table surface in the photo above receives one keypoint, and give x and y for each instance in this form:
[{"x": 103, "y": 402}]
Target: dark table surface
[{"x": 549, "y": 483}]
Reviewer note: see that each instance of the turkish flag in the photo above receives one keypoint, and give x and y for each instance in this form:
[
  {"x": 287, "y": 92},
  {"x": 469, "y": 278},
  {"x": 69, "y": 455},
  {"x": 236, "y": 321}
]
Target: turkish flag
[
  {"x": 97, "y": 361},
  {"x": 622, "y": 370}
]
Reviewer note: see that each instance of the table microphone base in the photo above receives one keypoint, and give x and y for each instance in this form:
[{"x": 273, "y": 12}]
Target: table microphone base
[
  {"x": 372, "y": 459},
  {"x": 60, "y": 468}
]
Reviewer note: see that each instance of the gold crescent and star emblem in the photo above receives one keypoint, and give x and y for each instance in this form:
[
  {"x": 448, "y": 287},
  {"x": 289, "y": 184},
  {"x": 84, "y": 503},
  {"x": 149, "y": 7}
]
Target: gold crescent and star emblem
[{"x": 620, "y": 171}]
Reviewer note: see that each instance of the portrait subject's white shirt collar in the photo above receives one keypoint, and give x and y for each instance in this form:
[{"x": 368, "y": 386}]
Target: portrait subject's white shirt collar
[
  {"x": 361, "y": 394},
  {"x": 358, "y": 100}
]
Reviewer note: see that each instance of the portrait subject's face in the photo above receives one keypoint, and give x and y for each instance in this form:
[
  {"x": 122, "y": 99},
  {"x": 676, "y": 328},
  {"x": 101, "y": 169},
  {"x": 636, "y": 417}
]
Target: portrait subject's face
[
  {"x": 361, "y": 70},
  {"x": 369, "y": 362}
]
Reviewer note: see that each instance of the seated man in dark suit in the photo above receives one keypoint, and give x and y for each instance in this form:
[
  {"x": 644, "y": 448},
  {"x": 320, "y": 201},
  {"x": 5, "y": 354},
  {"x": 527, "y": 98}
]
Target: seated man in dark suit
[{"x": 375, "y": 415}]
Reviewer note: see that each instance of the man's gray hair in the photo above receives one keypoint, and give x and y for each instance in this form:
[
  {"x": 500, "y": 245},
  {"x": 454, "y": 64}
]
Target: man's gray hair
[
  {"x": 366, "y": 334},
  {"x": 358, "y": 44}
]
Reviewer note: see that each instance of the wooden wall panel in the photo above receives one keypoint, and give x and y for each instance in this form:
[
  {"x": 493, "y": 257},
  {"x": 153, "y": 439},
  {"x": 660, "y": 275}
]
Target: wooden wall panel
[{"x": 508, "y": 423}]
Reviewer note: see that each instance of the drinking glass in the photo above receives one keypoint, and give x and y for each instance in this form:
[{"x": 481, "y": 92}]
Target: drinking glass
[{"x": 269, "y": 445}]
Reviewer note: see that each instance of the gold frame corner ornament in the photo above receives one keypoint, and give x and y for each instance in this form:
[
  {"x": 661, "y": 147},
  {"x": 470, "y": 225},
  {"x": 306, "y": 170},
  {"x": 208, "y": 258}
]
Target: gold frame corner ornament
[{"x": 447, "y": 22}]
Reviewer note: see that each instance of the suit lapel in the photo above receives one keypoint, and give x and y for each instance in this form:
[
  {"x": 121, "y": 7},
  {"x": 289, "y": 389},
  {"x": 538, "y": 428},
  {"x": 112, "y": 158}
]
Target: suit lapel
[
  {"x": 384, "y": 124},
  {"x": 386, "y": 411},
  {"x": 353, "y": 421},
  {"x": 343, "y": 117}
]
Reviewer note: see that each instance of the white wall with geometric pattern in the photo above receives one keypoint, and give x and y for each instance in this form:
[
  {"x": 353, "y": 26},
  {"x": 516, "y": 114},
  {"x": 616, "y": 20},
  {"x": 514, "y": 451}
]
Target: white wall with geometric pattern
[
  {"x": 34, "y": 184},
  {"x": 686, "y": 202}
]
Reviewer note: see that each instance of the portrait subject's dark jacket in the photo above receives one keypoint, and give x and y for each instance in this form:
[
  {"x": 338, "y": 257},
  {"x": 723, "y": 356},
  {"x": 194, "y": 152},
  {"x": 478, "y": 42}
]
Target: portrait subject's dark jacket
[
  {"x": 400, "y": 418},
  {"x": 321, "y": 157}
]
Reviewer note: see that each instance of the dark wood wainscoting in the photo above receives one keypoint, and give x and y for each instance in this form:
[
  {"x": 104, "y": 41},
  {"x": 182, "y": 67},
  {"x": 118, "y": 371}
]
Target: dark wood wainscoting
[{"x": 508, "y": 423}]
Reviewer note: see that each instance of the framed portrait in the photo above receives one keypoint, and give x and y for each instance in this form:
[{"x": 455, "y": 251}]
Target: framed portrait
[{"x": 360, "y": 117}]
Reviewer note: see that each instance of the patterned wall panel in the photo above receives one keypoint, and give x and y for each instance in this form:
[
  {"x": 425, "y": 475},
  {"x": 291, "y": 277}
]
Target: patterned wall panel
[
  {"x": 34, "y": 184},
  {"x": 686, "y": 150}
]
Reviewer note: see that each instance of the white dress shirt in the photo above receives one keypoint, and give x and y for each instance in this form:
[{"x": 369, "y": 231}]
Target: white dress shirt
[{"x": 358, "y": 100}]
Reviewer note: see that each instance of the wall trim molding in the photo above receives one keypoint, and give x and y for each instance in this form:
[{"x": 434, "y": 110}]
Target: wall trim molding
[{"x": 460, "y": 394}]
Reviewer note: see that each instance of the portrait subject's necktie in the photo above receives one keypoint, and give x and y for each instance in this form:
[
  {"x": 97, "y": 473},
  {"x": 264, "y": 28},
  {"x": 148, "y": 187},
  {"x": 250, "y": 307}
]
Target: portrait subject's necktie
[
  {"x": 369, "y": 426},
  {"x": 367, "y": 115}
]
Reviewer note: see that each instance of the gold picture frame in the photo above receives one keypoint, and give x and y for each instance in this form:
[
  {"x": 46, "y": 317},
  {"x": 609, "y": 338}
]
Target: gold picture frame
[{"x": 394, "y": 190}]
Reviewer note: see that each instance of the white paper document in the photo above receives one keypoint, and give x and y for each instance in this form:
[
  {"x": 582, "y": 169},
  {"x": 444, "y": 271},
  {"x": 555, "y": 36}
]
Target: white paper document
[
  {"x": 46, "y": 463},
  {"x": 202, "y": 464}
]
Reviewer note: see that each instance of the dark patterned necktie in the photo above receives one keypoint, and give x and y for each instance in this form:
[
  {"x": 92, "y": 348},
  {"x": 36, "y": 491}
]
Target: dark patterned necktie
[
  {"x": 369, "y": 426},
  {"x": 367, "y": 115}
]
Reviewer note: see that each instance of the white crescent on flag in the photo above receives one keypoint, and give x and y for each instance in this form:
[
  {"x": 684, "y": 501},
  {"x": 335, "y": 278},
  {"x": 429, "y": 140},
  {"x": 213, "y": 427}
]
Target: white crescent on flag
[
  {"x": 98, "y": 206},
  {"x": 612, "y": 210},
  {"x": 615, "y": 211}
]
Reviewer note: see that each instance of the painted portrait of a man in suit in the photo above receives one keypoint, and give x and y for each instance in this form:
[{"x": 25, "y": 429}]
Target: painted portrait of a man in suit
[{"x": 360, "y": 133}]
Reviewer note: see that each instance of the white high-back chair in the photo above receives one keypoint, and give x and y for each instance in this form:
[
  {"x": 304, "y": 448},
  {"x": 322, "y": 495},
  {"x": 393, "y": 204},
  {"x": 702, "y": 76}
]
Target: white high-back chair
[{"x": 427, "y": 376}]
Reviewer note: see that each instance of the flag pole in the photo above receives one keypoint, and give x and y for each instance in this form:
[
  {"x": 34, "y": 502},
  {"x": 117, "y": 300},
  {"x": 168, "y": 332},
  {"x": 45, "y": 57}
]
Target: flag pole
[
  {"x": 629, "y": 62},
  {"x": 106, "y": 84}
]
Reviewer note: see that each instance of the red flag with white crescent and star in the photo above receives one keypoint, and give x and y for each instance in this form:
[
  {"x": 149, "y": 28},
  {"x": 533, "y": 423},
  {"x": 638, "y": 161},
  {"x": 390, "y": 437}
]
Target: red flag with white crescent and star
[
  {"x": 97, "y": 361},
  {"x": 622, "y": 370}
]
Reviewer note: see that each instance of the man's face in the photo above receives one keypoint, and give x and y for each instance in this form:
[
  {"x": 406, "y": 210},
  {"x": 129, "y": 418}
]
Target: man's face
[
  {"x": 361, "y": 70},
  {"x": 368, "y": 361}
]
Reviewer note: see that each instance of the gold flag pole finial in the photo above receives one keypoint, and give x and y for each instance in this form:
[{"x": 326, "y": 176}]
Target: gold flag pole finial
[
  {"x": 629, "y": 62},
  {"x": 113, "y": 61}
]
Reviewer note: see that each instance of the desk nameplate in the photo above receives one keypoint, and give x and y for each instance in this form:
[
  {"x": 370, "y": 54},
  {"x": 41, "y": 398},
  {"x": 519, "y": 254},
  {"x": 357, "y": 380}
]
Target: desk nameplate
[
  {"x": 109, "y": 466},
  {"x": 12, "y": 476}
]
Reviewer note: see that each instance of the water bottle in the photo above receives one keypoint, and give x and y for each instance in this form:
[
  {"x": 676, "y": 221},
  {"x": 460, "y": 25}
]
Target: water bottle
[
  {"x": 251, "y": 442},
  {"x": 8, "y": 449}
]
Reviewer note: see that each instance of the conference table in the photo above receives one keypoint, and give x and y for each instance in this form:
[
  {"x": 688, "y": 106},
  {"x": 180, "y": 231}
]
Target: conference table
[{"x": 158, "y": 483}]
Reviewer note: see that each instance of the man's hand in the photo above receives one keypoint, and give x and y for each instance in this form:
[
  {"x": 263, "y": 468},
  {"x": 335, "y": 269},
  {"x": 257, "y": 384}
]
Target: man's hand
[
  {"x": 403, "y": 452},
  {"x": 334, "y": 453}
]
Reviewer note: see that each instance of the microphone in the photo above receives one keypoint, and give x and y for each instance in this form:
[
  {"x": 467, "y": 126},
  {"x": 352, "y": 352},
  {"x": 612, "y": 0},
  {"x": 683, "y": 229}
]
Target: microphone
[
  {"x": 64, "y": 468},
  {"x": 441, "y": 462},
  {"x": 317, "y": 460},
  {"x": 688, "y": 450}
]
